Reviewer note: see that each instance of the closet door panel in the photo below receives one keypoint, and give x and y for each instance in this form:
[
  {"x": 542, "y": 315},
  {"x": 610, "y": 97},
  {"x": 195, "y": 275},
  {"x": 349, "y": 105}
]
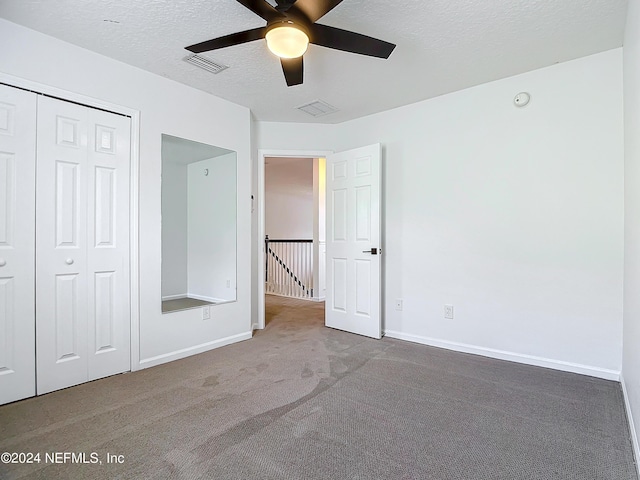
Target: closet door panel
[
  {"x": 17, "y": 245},
  {"x": 108, "y": 244},
  {"x": 61, "y": 245}
]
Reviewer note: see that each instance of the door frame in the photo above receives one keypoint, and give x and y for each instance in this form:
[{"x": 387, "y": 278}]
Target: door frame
[
  {"x": 134, "y": 285},
  {"x": 260, "y": 200}
]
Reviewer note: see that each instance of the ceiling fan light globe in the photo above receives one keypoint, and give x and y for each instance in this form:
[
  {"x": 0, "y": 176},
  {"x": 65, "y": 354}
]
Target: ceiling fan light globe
[{"x": 287, "y": 41}]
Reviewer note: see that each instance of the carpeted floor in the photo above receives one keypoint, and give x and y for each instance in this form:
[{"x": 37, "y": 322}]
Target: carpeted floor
[{"x": 300, "y": 401}]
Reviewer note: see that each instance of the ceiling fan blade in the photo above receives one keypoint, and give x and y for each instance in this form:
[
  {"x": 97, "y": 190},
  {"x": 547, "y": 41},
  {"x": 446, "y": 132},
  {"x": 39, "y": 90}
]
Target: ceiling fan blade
[
  {"x": 293, "y": 70},
  {"x": 284, "y": 5},
  {"x": 262, "y": 9},
  {"x": 347, "y": 41},
  {"x": 314, "y": 9},
  {"x": 228, "y": 40}
]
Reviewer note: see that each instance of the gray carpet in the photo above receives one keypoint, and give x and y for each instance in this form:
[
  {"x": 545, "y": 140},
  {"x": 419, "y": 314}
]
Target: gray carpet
[{"x": 300, "y": 401}]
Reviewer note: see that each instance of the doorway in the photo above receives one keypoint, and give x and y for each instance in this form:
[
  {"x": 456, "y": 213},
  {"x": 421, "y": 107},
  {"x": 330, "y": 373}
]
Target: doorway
[{"x": 267, "y": 250}]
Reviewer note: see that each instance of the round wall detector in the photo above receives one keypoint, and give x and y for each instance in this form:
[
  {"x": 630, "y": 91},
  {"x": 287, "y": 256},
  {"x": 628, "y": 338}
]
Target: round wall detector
[{"x": 521, "y": 99}]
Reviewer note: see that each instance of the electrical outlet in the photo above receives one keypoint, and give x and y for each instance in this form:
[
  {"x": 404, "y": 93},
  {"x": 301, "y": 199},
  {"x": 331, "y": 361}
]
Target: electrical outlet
[
  {"x": 228, "y": 283},
  {"x": 399, "y": 304},
  {"x": 448, "y": 311},
  {"x": 206, "y": 313}
]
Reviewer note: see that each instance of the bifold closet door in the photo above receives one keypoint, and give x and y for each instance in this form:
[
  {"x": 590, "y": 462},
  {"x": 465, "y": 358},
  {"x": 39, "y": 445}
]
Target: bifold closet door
[
  {"x": 17, "y": 243},
  {"x": 82, "y": 244}
]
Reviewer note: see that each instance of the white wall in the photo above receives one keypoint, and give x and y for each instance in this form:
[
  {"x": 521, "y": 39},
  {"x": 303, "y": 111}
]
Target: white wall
[
  {"x": 631, "y": 355},
  {"x": 255, "y": 241},
  {"x": 514, "y": 216},
  {"x": 319, "y": 228},
  {"x": 288, "y": 185},
  {"x": 319, "y": 198},
  {"x": 212, "y": 228},
  {"x": 174, "y": 229},
  {"x": 165, "y": 107}
]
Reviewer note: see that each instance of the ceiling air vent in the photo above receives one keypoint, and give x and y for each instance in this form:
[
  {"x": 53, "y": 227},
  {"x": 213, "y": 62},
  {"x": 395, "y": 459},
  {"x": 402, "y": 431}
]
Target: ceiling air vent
[
  {"x": 205, "y": 63},
  {"x": 317, "y": 108}
]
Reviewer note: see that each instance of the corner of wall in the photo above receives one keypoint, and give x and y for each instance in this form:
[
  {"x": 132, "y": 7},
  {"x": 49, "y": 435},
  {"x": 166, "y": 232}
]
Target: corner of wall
[
  {"x": 632, "y": 429},
  {"x": 631, "y": 316},
  {"x": 255, "y": 244}
]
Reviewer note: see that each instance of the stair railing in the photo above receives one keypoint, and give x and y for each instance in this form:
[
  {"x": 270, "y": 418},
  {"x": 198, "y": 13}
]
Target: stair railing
[{"x": 289, "y": 267}]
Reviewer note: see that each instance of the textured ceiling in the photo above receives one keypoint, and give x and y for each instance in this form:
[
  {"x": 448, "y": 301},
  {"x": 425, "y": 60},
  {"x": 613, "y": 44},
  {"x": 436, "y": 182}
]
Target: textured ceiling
[{"x": 442, "y": 46}]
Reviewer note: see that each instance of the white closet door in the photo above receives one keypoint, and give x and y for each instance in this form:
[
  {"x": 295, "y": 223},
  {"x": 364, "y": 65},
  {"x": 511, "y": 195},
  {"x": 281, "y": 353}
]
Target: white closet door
[
  {"x": 17, "y": 243},
  {"x": 82, "y": 275},
  {"x": 61, "y": 245},
  {"x": 108, "y": 244}
]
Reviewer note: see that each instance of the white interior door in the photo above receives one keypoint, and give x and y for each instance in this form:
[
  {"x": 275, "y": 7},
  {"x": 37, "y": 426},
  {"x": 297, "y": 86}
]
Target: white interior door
[
  {"x": 17, "y": 243},
  {"x": 82, "y": 274},
  {"x": 61, "y": 247},
  {"x": 109, "y": 324},
  {"x": 353, "y": 241}
]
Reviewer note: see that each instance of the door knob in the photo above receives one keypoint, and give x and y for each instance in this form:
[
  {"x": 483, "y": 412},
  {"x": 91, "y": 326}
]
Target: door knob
[
  {"x": 373, "y": 251},
  {"x": 3, "y": 262},
  {"x": 69, "y": 261}
]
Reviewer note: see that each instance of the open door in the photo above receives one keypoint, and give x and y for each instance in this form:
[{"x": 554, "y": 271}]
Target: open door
[{"x": 353, "y": 241}]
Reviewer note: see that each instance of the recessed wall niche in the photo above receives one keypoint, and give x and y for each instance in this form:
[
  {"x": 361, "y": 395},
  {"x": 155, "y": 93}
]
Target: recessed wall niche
[{"x": 198, "y": 224}]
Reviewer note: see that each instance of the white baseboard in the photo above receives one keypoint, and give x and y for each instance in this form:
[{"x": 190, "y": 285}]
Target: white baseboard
[
  {"x": 254, "y": 326},
  {"x": 510, "y": 356},
  {"x": 317, "y": 299},
  {"x": 310, "y": 299},
  {"x": 206, "y": 299},
  {"x": 187, "y": 352},
  {"x": 632, "y": 427},
  {"x": 196, "y": 297},
  {"x": 174, "y": 297}
]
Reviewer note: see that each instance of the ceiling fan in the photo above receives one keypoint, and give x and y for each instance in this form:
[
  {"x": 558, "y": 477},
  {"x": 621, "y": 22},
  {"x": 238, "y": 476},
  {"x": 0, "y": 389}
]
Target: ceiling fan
[{"x": 290, "y": 28}]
